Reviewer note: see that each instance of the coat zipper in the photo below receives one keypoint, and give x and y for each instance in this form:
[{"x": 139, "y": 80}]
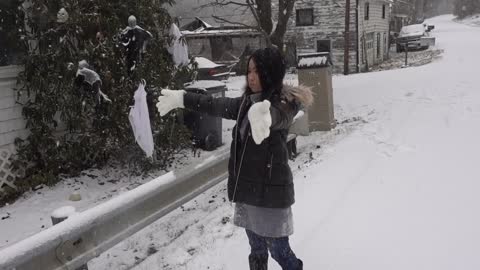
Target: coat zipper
[
  {"x": 270, "y": 166},
  {"x": 240, "y": 167},
  {"x": 236, "y": 134}
]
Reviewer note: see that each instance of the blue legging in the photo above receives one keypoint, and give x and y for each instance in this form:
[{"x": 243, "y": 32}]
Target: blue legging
[{"x": 279, "y": 249}]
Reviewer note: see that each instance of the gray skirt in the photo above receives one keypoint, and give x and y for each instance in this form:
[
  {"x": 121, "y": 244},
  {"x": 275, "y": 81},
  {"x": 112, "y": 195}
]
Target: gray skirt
[{"x": 267, "y": 222}]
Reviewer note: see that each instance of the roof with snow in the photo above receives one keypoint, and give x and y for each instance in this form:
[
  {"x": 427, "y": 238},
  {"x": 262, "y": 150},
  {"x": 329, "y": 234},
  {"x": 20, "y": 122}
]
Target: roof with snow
[
  {"x": 200, "y": 28},
  {"x": 205, "y": 63},
  {"x": 196, "y": 25}
]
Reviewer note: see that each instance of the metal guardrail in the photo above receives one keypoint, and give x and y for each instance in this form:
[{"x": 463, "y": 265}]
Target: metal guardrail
[{"x": 84, "y": 236}]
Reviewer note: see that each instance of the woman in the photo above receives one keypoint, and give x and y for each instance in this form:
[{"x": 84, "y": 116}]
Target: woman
[{"x": 260, "y": 181}]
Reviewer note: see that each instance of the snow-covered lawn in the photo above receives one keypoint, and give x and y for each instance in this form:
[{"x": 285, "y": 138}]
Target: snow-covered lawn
[
  {"x": 473, "y": 20},
  {"x": 415, "y": 58}
]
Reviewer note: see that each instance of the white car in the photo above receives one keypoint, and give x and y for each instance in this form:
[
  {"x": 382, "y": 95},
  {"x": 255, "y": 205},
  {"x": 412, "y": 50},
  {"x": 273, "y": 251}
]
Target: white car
[{"x": 415, "y": 36}]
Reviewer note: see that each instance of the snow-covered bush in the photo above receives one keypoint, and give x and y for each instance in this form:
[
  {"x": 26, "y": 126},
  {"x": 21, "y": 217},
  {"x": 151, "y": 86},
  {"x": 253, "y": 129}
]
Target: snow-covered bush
[{"x": 72, "y": 125}]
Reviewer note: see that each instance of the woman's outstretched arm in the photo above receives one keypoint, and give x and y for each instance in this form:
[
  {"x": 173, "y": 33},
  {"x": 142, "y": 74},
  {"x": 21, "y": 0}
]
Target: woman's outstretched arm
[{"x": 221, "y": 106}]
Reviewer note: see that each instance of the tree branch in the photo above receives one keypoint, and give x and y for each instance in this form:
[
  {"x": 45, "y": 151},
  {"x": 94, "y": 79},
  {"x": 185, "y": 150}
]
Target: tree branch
[
  {"x": 261, "y": 11},
  {"x": 236, "y": 23},
  {"x": 217, "y": 3},
  {"x": 285, "y": 8},
  {"x": 251, "y": 6},
  {"x": 264, "y": 11}
]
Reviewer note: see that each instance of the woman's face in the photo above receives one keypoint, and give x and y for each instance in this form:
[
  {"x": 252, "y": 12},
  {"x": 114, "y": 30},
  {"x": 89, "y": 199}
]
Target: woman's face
[{"x": 252, "y": 77}]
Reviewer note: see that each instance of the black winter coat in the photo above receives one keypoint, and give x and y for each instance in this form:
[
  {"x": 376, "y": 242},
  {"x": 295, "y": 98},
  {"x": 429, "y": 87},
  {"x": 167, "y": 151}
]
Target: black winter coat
[{"x": 259, "y": 175}]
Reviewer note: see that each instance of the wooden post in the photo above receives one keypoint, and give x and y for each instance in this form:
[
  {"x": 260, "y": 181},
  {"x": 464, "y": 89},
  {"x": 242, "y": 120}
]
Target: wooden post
[
  {"x": 406, "y": 54},
  {"x": 62, "y": 214}
]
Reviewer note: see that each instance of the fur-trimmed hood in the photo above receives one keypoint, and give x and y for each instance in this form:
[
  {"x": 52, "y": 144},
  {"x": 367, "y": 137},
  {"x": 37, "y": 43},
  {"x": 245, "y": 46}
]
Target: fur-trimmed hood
[{"x": 301, "y": 94}]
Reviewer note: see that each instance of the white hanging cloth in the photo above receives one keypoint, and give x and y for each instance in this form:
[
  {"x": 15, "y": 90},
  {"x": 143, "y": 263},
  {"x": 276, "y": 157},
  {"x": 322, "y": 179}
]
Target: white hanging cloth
[
  {"x": 178, "y": 48},
  {"x": 140, "y": 120}
]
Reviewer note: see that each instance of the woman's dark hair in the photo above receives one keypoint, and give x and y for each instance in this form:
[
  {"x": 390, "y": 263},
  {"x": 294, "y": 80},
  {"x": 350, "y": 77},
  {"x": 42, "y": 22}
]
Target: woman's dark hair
[{"x": 271, "y": 71}]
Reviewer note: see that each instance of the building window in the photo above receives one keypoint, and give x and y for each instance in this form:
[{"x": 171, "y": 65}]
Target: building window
[
  {"x": 364, "y": 49},
  {"x": 385, "y": 44},
  {"x": 384, "y": 11},
  {"x": 305, "y": 17},
  {"x": 367, "y": 11},
  {"x": 379, "y": 45},
  {"x": 324, "y": 45},
  {"x": 370, "y": 40}
]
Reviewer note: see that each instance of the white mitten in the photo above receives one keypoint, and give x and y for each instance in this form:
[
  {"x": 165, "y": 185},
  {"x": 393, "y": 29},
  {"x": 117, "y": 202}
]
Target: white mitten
[
  {"x": 170, "y": 100},
  {"x": 260, "y": 120}
]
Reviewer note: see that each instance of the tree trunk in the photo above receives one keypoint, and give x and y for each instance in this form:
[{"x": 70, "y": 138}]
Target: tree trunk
[
  {"x": 264, "y": 11},
  {"x": 285, "y": 8},
  {"x": 419, "y": 14}
]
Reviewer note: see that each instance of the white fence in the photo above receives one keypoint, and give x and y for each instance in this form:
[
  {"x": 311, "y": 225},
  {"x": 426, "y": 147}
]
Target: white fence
[{"x": 12, "y": 124}]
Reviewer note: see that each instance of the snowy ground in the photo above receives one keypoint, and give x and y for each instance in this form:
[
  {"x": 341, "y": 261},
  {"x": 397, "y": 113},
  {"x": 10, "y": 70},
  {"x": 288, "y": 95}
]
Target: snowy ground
[
  {"x": 473, "y": 20},
  {"x": 415, "y": 58},
  {"x": 394, "y": 186}
]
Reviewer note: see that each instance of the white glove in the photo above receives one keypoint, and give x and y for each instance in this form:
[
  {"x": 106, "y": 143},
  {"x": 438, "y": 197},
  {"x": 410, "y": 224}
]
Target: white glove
[
  {"x": 170, "y": 100},
  {"x": 260, "y": 120}
]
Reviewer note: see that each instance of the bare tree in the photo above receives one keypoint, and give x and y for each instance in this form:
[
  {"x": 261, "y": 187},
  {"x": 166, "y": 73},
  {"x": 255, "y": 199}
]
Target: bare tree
[
  {"x": 264, "y": 16},
  {"x": 419, "y": 12},
  {"x": 463, "y": 8}
]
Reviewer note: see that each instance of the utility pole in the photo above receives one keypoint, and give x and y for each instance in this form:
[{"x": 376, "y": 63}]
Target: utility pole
[{"x": 347, "y": 39}]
